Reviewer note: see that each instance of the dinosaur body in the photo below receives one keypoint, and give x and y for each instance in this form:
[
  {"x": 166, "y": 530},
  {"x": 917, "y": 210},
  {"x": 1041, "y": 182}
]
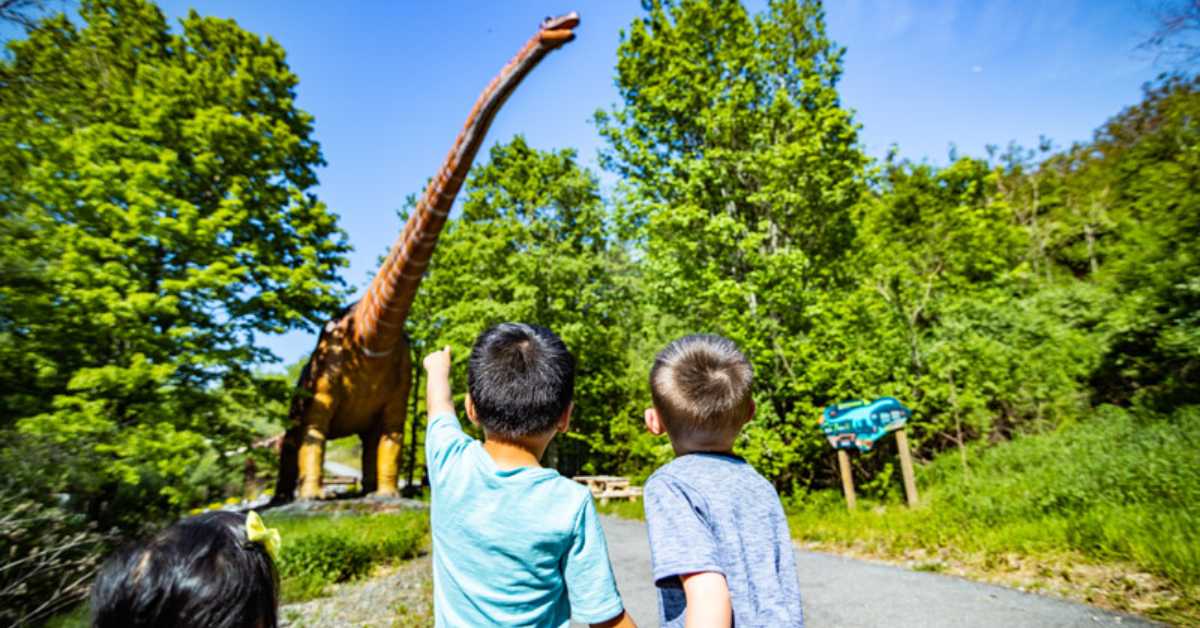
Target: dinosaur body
[{"x": 358, "y": 377}]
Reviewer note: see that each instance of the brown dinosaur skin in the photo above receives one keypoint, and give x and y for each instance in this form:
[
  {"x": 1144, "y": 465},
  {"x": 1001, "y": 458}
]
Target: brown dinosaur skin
[{"x": 358, "y": 377}]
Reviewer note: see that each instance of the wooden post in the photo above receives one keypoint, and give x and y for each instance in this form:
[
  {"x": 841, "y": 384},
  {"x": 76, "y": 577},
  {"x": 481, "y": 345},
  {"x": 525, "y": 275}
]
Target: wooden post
[
  {"x": 250, "y": 479},
  {"x": 847, "y": 479},
  {"x": 906, "y": 468}
]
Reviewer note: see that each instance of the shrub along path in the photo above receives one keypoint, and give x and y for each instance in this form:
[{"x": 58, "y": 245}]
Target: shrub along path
[{"x": 847, "y": 592}]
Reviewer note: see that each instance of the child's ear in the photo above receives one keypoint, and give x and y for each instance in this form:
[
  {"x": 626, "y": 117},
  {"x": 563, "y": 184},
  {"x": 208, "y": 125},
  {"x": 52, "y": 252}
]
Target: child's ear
[
  {"x": 564, "y": 421},
  {"x": 654, "y": 422},
  {"x": 470, "y": 405}
]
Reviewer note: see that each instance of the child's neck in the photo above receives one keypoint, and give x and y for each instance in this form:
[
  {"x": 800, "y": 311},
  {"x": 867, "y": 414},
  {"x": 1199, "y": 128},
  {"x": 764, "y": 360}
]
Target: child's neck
[
  {"x": 706, "y": 446},
  {"x": 514, "y": 454}
]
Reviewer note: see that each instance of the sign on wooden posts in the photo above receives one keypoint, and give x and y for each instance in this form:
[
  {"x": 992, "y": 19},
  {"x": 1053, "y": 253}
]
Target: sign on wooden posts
[{"x": 859, "y": 425}]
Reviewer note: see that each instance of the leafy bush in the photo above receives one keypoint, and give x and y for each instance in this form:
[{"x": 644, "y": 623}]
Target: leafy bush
[
  {"x": 320, "y": 550},
  {"x": 48, "y": 559},
  {"x": 78, "y": 617},
  {"x": 48, "y": 553}
]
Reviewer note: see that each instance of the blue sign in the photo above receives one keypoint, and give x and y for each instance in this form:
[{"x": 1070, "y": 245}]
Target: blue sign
[{"x": 858, "y": 424}]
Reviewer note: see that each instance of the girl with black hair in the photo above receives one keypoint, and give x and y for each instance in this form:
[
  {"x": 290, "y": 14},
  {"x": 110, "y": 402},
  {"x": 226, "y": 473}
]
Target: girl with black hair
[{"x": 213, "y": 570}]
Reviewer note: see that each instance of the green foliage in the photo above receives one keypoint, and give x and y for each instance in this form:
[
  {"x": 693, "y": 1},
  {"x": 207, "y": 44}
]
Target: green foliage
[
  {"x": 995, "y": 297},
  {"x": 80, "y": 617},
  {"x": 320, "y": 550},
  {"x": 50, "y": 555},
  {"x": 154, "y": 218},
  {"x": 533, "y": 244},
  {"x": 743, "y": 173},
  {"x": 1149, "y": 155},
  {"x": 49, "y": 550}
]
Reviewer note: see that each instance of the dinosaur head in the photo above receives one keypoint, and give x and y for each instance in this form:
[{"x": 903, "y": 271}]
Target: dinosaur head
[{"x": 556, "y": 31}]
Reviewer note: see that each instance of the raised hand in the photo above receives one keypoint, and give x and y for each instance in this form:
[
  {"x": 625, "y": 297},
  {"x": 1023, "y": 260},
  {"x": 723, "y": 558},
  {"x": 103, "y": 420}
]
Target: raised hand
[{"x": 437, "y": 388}]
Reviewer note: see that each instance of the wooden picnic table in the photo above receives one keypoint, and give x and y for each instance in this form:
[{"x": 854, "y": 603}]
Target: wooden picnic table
[
  {"x": 600, "y": 483},
  {"x": 606, "y": 487}
]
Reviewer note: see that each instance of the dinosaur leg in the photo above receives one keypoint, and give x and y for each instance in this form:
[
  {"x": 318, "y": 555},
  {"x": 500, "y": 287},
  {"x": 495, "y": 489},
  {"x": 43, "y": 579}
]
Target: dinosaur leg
[
  {"x": 312, "y": 458},
  {"x": 390, "y": 424},
  {"x": 370, "y": 459},
  {"x": 312, "y": 446},
  {"x": 289, "y": 465},
  {"x": 391, "y": 443}
]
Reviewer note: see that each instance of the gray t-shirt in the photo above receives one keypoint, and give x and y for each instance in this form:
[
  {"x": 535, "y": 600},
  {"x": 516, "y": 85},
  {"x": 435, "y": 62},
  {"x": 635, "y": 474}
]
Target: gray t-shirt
[{"x": 714, "y": 512}]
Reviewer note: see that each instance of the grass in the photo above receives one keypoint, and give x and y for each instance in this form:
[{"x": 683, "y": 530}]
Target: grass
[
  {"x": 1106, "y": 511},
  {"x": 78, "y": 617},
  {"x": 622, "y": 508},
  {"x": 321, "y": 550}
]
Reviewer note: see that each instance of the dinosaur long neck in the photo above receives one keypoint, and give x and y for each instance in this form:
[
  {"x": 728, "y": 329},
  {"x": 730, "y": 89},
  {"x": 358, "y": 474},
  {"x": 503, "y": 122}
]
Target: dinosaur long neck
[{"x": 379, "y": 316}]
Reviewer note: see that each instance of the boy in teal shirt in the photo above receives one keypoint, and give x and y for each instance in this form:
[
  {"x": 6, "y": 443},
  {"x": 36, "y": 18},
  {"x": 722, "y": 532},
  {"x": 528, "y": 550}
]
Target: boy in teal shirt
[{"x": 514, "y": 544}]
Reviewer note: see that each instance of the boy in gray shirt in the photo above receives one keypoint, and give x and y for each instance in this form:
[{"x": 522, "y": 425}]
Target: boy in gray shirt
[{"x": 719, "y": 540}]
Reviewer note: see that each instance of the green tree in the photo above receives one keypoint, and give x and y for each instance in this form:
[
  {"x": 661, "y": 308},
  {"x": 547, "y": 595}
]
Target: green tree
[
  {"x": 744, "y": 170},
  {"x": 534, "y": 243},
  {"x": 155, "y": 217},
  {"x": 1151, "y": 155}
]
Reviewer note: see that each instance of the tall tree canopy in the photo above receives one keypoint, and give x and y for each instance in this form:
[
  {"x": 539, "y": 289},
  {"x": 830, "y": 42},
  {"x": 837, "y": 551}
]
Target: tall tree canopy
[
  {"x": 155, "y": 217},
  {"x": 744, "y": 170},
  {"x": 534, "y": 244},
  {"x": 993, "y": 295},
  {"x": 1144, "y": 169}
]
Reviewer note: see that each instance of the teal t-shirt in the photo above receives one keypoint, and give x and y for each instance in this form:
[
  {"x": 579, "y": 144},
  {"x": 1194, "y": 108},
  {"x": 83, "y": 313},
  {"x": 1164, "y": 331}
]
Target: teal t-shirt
[{"x": 521, "y": 547}]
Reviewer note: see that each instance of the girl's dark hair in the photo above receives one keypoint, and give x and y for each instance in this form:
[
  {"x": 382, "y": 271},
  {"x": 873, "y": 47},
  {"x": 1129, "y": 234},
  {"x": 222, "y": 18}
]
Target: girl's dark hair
[
  {"x": 199, "y": 572},
  {"x": 521, "y": 378}
]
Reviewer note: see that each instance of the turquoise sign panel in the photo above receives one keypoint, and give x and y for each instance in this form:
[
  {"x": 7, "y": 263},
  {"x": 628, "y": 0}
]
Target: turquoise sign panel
[{"x": 859, "y": 425}]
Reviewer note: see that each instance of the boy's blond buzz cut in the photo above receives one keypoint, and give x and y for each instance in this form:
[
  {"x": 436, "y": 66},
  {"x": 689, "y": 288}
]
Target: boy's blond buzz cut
[{"x": 701, "y": 385}]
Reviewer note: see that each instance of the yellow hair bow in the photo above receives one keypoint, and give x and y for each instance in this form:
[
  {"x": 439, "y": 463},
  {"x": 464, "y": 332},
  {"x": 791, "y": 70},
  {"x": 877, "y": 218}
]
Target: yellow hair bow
[{"x": 258, "y": 532}]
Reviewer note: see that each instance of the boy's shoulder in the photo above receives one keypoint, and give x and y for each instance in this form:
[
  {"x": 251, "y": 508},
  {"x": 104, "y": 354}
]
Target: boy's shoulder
[
  {"x": 720, "y": 481},
  {"x": 699, "y": 470},
  {"x": 575, "y": 492},
  {"x": 548, "y": 492},
  {"x": 553, "y": 503}
]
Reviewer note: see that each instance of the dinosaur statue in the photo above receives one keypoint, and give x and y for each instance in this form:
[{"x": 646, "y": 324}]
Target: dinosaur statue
[{"x": 358, "y": 377}]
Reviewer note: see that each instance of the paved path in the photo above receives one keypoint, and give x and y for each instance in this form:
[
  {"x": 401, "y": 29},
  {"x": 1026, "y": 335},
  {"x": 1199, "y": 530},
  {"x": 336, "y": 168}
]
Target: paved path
[
  {"x": 849, "y": 593},
  {"x": 337, "y": 468}
]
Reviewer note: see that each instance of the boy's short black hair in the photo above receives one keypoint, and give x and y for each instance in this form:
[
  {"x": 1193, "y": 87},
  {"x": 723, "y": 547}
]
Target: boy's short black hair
[
  {"x": 521, "y": 378},
  {"x": 200, "y": 572},
  {"x": 701, "y": 384}
]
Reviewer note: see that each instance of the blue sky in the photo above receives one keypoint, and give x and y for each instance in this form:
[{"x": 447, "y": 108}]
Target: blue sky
[{"x": 391, "y": 82}]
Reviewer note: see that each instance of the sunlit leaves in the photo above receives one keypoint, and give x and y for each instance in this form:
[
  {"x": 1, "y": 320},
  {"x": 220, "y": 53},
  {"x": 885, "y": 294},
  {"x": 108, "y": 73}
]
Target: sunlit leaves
[{"x": 155, "y": 216}]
